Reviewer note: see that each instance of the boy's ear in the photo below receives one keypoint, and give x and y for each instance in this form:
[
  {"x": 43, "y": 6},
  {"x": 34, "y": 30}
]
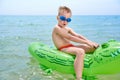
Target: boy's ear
[{"x": 57, "y": 17}]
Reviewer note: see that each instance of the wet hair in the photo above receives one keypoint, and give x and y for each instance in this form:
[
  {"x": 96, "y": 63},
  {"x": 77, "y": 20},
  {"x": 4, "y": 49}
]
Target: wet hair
[{"x": 64, "y": 8}]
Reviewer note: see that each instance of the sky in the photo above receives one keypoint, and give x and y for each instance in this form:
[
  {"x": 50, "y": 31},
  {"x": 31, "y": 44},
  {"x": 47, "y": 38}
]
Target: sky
[{"x": 50, "y": 7}]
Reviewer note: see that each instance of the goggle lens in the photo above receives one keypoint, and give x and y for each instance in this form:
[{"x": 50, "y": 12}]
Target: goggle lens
[{"x": 64, "y": 19}]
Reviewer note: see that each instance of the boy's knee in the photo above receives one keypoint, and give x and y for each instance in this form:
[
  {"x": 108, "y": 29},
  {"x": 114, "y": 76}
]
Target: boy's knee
[{"x": 80, "y": 52}]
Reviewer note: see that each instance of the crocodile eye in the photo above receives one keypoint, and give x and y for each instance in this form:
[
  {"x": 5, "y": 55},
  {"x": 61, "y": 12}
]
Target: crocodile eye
[{"x": 105, "y": 45}]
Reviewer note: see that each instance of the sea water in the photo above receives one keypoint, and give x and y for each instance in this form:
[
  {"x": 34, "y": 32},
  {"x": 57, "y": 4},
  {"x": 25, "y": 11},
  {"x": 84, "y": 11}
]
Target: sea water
[{"x": 17, "y": 32}]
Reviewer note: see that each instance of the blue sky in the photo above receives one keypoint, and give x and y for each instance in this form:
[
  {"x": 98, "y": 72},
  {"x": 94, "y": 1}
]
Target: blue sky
[{"x": 50, "y": 7}]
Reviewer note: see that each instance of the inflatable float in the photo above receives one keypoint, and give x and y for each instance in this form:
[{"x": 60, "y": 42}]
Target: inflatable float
[{"x": 105, "y": 59}]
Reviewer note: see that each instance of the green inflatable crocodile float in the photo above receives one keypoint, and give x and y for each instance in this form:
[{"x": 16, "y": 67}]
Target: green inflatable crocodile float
[{"x": 105, "y": 59}]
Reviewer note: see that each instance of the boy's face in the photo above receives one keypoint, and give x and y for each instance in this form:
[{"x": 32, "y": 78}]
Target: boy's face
[{"x": 63, "y": 23}]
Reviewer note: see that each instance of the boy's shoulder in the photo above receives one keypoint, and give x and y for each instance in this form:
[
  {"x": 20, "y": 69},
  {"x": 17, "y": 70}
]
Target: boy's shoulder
[{"x": 55, "y": 27}]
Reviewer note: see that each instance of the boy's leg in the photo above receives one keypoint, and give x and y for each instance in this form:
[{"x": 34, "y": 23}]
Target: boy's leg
[
  {"x": 79, "y": 60},
  {"x": 86, "y": 48}
]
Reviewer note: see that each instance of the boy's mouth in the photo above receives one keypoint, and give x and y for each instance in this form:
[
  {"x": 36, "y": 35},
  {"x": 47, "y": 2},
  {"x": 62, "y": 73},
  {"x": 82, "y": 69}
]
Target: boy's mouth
[{"x": 64, "y": 24}]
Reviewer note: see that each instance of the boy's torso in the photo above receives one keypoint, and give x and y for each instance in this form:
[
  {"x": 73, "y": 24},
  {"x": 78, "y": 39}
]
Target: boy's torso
[{"x": 58, "y": 40}]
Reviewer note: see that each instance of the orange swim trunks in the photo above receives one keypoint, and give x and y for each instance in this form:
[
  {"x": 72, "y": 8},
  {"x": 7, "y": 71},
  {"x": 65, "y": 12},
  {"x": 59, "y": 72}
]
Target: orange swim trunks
[{"x": 66, "y": 46}]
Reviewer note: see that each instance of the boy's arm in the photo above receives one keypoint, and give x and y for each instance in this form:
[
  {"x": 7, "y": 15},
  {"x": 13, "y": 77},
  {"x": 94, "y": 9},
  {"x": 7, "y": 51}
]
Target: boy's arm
[
  {"x": 77, "y": 35},
  {"x": 68, "y": 36},
  {"x": 82, "y": 37}
]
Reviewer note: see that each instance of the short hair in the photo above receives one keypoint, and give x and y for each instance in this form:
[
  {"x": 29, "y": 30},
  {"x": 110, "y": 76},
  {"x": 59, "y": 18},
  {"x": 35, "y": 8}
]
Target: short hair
[{"x": 64, "y": 8}]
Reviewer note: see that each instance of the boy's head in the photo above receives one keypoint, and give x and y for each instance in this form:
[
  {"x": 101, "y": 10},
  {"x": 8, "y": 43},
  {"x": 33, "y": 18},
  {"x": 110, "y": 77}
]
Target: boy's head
[
  {"x": 63, "y": 17},
  {"x": 63, "y": 9}
]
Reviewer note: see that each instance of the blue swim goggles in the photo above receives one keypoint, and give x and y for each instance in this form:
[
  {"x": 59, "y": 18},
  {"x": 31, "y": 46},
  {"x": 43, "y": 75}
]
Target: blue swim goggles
[{"x": 63, "y": 18}]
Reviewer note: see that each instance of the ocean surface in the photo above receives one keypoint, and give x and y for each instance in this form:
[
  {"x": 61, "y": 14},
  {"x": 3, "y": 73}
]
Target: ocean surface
[{"x": 17, "y": 32}]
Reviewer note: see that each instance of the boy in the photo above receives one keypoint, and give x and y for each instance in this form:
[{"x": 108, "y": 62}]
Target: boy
[{"x": 62, "y": 35}]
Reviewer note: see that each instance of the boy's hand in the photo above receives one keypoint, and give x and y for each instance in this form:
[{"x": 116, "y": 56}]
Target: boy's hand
[
  {"x": 95, "y": 45},
  {"x": 92, "y": 44}
]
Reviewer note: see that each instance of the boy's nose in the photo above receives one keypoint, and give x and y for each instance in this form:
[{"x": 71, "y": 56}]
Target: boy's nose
[{"x": 65, "y": 21}]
